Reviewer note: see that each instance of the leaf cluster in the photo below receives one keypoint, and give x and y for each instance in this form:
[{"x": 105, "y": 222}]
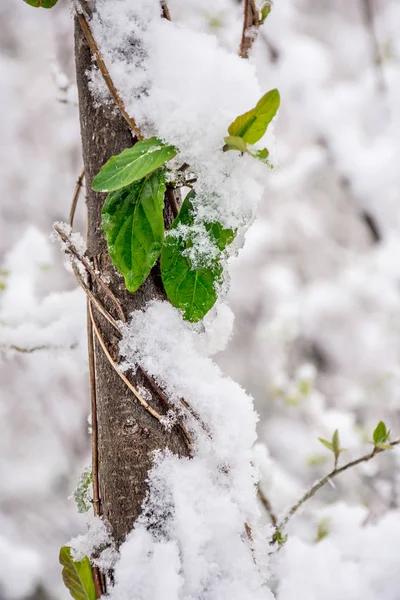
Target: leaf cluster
[
  {"x": 248, "y": 129},
  {"x": 133, "y": 221}
]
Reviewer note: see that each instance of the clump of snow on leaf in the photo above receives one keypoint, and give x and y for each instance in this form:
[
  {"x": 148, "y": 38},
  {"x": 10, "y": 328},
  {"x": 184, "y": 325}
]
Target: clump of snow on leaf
[{"x": 182, "y": 86}]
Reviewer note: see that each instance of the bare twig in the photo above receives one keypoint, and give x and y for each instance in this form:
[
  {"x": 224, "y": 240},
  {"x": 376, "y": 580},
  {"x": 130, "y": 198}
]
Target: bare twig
[
  {"x": 75, "y": 197},
  {"x": 93, "y": 405},
  {"x": 368, "y": 12},
  {"x": 142, "y": 401},
  {"x": 314, "y": 489},
  {"x": 71, "y": 248},
  {"x": 106, "y": 75},
  {"x": 268, "y": 507},
  {"x": 95, "y": 451},
  {"x": 251, "y": 22},
  {"x": 23, "y": 350},
  {"x": 94, "y": 300},
  {"x": 97, "y": 581}
]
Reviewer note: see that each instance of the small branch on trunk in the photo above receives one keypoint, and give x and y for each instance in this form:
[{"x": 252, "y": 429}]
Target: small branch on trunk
[
  {"x": 75, "y": 197},
  {"x": 71, "y": 248},
  {"x": 142, "y": 401},
  {"x": 93, "y": 298},
  {"x": 336, "y": 471},
  {"x": 106, "y": 75}
]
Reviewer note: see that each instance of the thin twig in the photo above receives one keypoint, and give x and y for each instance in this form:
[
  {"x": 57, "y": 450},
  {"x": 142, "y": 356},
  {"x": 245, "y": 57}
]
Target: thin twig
[
  {"x": 251, "y": 22},
  {"x": 165, "y": 10},
  {"x": 106, "y": 75},
  {"x": 97, "y": 582},
  {"x": 71, "y": 248},
  {"x": 94, "y": 300},
  {"x": 75, "y": 197},
  {"x": 142, "y": 401},
  {"x": 325, "y": 479},
  {"x": 23, "y": 350},
  {"x": 368, "y": 12},
  {"x": 268, "y": 507},
  {"x": 95, "y": 451},
  {"x": 93, "y": 406}
]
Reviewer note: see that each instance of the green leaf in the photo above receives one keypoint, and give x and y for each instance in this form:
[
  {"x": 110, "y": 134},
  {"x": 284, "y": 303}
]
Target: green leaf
[
  {"x": 234, "y": 142},
  {"x": 266, "y": 9},
  {"x": 323, "y": 529},
  {"x": 336, "y": 442},
  {"x": 384, "y": 446},
  {"x": 327, "y": 444},
  {"x": 77, "y": 576},
  {"x": 42, "y": 3},
  {"x": 132, "y": 165},
  {"x": 222, "y": 237},
  {"x": 281, "y": 539},
  {"x": 133, "y": 222},
  {"x": 380, "y": 434},
  {"x": 252, "y": 125},
  {"x": 189, "y": 289}
]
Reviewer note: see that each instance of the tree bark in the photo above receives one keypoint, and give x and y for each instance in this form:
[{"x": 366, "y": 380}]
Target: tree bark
[{"x": 127, "y": 433}]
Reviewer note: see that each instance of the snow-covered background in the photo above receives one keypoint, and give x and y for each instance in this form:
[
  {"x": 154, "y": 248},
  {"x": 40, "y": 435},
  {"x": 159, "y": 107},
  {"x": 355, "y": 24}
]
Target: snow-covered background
[{"x": 315, "y": 292}]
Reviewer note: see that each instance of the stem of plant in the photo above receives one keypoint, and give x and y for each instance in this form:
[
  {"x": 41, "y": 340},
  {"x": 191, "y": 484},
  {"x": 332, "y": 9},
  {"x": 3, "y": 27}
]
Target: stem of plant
[{"x": 314, "y": 489}]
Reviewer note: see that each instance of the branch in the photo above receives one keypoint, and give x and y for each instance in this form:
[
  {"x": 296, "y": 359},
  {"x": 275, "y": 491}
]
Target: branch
[
  {"x": 23, "y": 350},
  {"x": 75, "y": 197},
  {"x": 251, "y": 23},
  {"x": 336, "y": 471},
  {"x": 268, "y": 507},
  {"x": 106, "y": 75},
  {"x": 71, "y": 248}
]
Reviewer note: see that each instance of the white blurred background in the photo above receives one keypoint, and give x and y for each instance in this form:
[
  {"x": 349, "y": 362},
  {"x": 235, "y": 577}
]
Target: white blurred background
[{"x": 315, "y": 291}]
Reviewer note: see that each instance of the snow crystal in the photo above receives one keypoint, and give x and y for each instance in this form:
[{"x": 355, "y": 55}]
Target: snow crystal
[{"x": 96, "y": 537}]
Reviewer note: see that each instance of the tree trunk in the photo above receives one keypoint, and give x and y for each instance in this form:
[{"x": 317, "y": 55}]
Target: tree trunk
[{"x": 127, "y": 433}]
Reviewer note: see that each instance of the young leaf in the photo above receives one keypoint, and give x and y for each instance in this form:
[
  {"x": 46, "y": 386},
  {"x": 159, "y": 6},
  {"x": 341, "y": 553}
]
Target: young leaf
[
  {"x": 327, "y": 444},
  {"x": 132, "y": 220},
  {"x": 266, "y": 9},
  {"x": 132, "y": 165},
  {"x": 234, "y": 142},
  {"x": 42, "y": 3},
  {"x": 384, "y": 446},
  {"x": 380, "y": 434},
  {"x": 77, "y": 576},
  {"x": 191, "y": 290},
  {"x": 336, "y": 442},
  {"x": 252, "y": 125}
]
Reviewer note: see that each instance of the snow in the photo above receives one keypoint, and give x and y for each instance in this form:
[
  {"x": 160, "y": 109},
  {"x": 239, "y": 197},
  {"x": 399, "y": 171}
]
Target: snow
[
  {"x": 215, "y": 558},
  {"x": 315, "y": 338},
  {"x": 96, "y": 538}
]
